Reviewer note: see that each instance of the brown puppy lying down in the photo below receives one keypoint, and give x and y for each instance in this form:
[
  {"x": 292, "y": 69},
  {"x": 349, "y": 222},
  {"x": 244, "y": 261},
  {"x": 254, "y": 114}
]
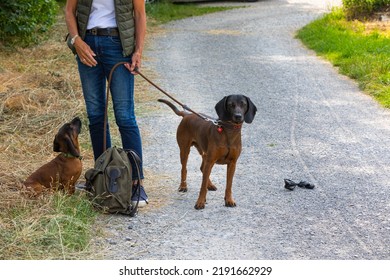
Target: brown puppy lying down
[{"x": 63, "y": 171}]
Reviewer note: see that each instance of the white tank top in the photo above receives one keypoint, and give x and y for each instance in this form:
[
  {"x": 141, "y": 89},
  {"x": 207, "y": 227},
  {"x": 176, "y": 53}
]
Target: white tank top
[{"x": 102, "y": 14}]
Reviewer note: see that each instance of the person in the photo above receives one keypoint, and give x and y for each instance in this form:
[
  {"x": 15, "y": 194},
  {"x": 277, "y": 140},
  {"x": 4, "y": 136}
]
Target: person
[{"x": 103, "y": 33}]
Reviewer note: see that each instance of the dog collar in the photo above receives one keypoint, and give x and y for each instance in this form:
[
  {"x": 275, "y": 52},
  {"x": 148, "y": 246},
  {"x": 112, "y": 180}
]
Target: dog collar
[
  {"x": 221, "y": 125},
  {"x": 68, "y": 155}
]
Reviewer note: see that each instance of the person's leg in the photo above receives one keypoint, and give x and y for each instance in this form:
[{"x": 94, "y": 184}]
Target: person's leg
[
  {"x": 123, "y": 100},
  {"x": 122, "y": 91},
  {"x": 93, "y": 81}
]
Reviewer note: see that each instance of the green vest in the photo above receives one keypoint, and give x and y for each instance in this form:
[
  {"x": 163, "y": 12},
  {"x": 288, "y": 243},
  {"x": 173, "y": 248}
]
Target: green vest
[{"x": 124, "y": 20}]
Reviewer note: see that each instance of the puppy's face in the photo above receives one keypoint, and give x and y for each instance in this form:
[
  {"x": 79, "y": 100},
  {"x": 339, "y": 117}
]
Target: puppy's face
[
  {"x": 236, "y": 109},
  {"x": 66, "y": 140}
]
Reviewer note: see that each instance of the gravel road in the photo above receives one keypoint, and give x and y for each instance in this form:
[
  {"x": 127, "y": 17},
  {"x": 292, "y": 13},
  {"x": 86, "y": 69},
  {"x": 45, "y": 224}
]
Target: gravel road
[{"x": 312, "y": 124}]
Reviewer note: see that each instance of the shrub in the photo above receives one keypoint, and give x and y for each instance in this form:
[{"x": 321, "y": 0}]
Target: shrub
[
  {"x": 363, "y": 8},
  {"x": 22, "y": 21}
]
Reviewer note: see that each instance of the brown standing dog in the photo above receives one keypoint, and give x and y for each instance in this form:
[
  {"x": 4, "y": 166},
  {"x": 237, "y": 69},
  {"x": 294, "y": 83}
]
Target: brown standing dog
[
  {"x": 217, "y": 143},
  {"x": 64, "y": 170}
]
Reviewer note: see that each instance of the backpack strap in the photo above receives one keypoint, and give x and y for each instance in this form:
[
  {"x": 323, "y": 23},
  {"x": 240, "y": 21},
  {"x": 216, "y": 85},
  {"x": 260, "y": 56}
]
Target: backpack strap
[{"x": 137, "y": 161}]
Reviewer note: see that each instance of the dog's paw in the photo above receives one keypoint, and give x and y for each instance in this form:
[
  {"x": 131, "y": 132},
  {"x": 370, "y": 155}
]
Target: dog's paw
[
  {"x": 183, "y": 187},
  {"x": 212, "y": 187},
  {"x": 200, "y": 205},
  {"x": 230, "y": 203}
]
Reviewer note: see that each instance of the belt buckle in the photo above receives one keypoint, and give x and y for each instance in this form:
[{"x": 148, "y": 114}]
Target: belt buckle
[{"x": 94, "y": 31}]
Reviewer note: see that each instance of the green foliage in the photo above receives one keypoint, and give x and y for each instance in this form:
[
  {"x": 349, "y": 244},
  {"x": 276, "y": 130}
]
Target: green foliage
[
  {"x": 363, "y": 8},
  {"x": 22, "y": 21},
  {"x": 361, "y": 55},
  {"x": 165, "y": 11}
]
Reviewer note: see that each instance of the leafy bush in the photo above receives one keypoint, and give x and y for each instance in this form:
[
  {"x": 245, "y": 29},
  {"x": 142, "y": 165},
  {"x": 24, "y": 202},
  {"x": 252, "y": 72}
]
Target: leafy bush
[
  {"x": 363, "y": 8},
  {"x": 21, "y": 21}
]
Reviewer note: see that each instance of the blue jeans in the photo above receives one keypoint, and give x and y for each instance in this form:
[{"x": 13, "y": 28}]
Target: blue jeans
[{"x": 108, "y": 52}]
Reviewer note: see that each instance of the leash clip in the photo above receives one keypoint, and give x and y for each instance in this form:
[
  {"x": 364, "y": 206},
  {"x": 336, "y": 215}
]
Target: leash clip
[
  {"x": 185, "y": 107},
  {"x": 215, "y": 122}
]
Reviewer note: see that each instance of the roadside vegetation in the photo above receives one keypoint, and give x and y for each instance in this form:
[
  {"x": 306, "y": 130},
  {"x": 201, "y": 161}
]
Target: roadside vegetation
[
  {"x": 356, "y": 39},
  {"x": 39, "y": 91},
  {"x": 164, "y": 11}
]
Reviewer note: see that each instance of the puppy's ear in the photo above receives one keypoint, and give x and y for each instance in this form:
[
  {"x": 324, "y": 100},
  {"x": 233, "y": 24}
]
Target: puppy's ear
[
  {"x": 56, "y": 145},
  {"x": 251, "y": 112},
  {"x": 71, "y": 147},
  {"x": 220, "y": 108}
]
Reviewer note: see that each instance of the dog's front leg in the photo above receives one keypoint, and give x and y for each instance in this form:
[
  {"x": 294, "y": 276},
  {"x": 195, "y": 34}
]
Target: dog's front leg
[
  {"x": 231, "y": 168},
  {"x": 207, "y": 166}
]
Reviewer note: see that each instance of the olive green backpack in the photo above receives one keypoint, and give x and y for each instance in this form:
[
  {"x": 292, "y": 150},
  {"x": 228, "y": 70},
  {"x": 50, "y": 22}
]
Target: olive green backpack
[{"x": 110, "y": 182}]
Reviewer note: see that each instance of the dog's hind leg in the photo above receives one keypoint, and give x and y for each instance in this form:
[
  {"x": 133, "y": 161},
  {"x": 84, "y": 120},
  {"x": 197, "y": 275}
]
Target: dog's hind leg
[
  {"x": 34, "y": 188},
  {"x": 184, "y": 152}
]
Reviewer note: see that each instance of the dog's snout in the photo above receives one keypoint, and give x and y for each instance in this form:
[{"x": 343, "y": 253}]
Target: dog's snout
[{"x": 238, "y": 117}]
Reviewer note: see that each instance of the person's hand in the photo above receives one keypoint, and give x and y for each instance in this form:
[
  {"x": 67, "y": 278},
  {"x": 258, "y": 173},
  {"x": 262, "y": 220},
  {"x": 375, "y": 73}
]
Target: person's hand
[
  {"x": 85, "y": 53},
  {"x": 135, "y": 63}
]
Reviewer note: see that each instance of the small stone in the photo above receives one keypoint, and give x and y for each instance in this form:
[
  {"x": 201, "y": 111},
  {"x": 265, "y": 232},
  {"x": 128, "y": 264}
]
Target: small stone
[{"x": 111, "y": 242}]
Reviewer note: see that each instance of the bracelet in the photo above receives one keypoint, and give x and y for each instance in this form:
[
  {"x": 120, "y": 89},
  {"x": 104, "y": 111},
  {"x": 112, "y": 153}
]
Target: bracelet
[{"x": 73, "y": 39}]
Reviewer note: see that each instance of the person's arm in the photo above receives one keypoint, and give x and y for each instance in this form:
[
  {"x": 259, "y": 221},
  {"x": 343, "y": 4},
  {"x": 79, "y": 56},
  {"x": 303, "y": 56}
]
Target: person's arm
[
  {"x": 140, "y": 32},
  {"x": 84, "y": 52}
]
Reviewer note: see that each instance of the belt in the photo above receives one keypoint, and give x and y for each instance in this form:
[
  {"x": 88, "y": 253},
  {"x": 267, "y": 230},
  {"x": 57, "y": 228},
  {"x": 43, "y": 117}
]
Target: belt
[{"x": 103, "y": 31}]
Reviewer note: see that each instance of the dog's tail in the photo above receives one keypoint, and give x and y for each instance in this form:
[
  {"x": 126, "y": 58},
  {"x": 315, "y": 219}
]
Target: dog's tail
[{"x": 174, "y": 108}]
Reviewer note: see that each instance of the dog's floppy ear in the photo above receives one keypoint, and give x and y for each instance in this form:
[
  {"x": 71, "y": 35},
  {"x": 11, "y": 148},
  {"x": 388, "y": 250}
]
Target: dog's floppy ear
[
  {"x": 71, "y": 147},
  {"x": 56, "y": 145},
  {"x": 251, "y": 112},
  {"x": 220, "y": 108}
]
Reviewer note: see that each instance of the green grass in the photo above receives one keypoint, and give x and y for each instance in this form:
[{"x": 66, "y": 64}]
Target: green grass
[
  {"x": 165, "y": 11},
  {"x": 56, "y": 227},
  {"x": 359, "y": 53}
]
